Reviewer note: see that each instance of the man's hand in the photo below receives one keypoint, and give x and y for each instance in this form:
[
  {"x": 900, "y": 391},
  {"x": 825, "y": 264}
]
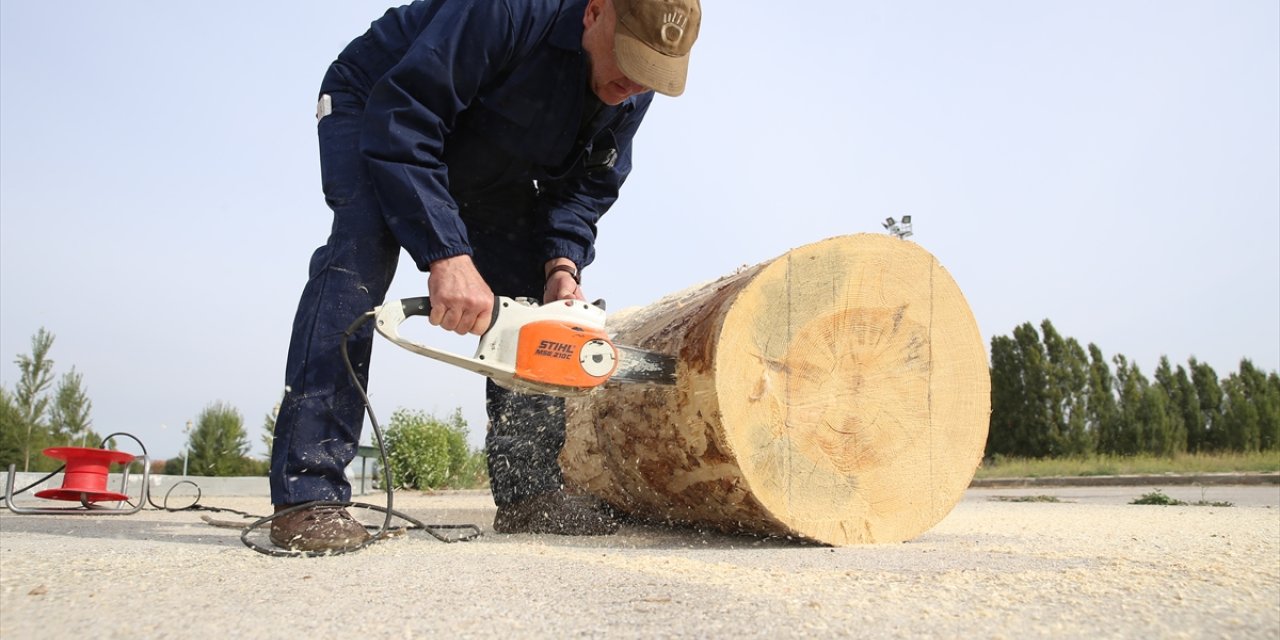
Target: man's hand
[
  {"x": 561, "y": 284},
  {"x": 461, "y": 301}
]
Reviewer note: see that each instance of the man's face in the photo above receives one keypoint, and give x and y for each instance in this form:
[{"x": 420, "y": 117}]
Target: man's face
[{"x": 607, "y": 81}]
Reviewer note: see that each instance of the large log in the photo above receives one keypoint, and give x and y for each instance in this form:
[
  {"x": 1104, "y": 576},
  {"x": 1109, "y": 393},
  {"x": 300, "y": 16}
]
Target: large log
[{"x": 839, "y": 393}]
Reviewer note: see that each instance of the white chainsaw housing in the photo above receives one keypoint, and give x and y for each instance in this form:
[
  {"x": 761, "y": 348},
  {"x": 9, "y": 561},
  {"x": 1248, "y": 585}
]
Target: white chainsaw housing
[{"x": 496, "y": 355}]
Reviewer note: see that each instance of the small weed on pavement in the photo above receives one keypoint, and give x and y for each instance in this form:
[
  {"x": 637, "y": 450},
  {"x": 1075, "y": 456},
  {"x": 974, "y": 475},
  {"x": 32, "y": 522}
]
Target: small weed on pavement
[{"x": 1158, "y": 497}]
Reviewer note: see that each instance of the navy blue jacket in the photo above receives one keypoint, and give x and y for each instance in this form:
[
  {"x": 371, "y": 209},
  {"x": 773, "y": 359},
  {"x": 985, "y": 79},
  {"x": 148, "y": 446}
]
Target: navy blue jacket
[{"x": 468, "y": 97}]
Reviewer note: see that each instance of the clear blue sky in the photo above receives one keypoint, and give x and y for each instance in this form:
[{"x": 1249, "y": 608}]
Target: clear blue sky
[{"x": 1113, "y": 166}]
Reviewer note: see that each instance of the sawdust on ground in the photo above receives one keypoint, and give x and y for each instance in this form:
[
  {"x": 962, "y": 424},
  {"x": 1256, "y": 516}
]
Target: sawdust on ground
[{"x": 991, "y": 569}]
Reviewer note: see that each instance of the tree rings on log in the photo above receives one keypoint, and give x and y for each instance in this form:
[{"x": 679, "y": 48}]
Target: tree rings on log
[{"x": 838, "y": 393}]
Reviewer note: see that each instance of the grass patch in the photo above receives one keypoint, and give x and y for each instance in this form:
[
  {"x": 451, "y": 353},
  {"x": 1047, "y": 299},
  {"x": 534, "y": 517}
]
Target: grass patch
[
  {"x": 1040, "y": 498},
  {"x": 1098, "y": 465},
  {"x": 1158, "y": 497}
]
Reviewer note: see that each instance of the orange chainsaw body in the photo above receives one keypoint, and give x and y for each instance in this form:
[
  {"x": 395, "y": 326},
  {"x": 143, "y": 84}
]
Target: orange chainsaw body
[{"x": 565, "y": 354}]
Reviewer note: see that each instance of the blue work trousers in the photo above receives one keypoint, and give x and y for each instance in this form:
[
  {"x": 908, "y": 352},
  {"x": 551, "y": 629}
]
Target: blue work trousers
[{"x": 322, "y": 414}]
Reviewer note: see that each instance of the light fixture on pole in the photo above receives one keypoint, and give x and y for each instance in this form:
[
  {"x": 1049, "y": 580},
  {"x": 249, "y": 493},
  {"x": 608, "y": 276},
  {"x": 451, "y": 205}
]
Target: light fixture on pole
[{"x": 899, "y": 229}]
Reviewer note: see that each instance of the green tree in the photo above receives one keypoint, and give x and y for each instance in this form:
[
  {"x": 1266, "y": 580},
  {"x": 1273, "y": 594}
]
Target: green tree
[
  {"x": 1144, "y": 413},
  {"x": 1038, "y": 395},
  {"x": 1188, "y": 405},
  {"x": 173, "y": 466},
  {"x": 1035, "y": 426},
  {"x": 1240, "y": 422},
  {"x": 218, "y": 444},
  {"x": 1252, "y": 411},
  {"x": 69, "y": 419},
  {"x": 12, "y": 430},
  {"x": 1039, "y": 430},
  {"x": 1259, "y": 392},
  {"x": 1212, "y": 403},
  {"x": 1270, "y": 413},
  {"x": 1103, "y": 411},
  {"x": 1159, "y": 436},
  {"x": 1102, "y": 407},
  {"x": 1131, "y": 386},
  {"x": 1067, "y": 394},
  {"x": 31, "y": 397},
  {"x": 269, "y": 429},
  {"x": 1172, "y": 437},
  {"x": 1006, "y": 397}
]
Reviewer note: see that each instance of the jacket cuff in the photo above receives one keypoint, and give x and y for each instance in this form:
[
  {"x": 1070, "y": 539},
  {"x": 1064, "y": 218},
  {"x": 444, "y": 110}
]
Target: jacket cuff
[
  {"x": 424, "y": 265},
  {"x": 560, "y": 248}
]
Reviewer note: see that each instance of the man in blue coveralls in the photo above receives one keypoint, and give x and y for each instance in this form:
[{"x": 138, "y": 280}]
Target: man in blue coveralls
[{"x": 486, "y": 138}]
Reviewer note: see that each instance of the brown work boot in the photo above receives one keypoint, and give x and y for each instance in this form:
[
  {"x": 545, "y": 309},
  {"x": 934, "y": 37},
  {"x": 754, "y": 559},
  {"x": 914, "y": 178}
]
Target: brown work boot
[
  {"x": 555, "y": 512},
  {"x": 318, "y": 528}
]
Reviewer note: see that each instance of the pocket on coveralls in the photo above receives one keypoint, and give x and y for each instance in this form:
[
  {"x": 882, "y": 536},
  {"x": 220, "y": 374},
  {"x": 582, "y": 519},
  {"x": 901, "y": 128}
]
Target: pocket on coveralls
[{"x": 342, "y": 168}]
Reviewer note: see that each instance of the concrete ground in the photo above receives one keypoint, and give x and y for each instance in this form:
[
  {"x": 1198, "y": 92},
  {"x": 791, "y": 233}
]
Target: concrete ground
[{"x": 1087, "y": 566}]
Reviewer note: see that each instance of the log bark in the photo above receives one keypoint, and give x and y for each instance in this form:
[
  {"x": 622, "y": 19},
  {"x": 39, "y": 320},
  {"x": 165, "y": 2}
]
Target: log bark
[{"x": 839, "y": 393}]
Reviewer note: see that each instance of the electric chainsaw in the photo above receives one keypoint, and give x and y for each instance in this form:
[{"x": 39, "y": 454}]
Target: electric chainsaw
[{"x": 559, "y": 348}]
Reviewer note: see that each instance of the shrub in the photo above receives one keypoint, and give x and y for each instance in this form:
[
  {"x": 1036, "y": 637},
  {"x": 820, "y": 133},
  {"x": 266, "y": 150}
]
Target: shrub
[{"x": 427, "y": 453}]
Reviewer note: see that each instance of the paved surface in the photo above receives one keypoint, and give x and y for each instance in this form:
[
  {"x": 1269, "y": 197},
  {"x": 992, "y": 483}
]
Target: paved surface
[
  {"x": 1088, "y": 566},
  {"x": 1158, "y": 480}
]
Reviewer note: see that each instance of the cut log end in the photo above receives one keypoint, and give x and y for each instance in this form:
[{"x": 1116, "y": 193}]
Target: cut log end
[{"x": 838, "y": 393}]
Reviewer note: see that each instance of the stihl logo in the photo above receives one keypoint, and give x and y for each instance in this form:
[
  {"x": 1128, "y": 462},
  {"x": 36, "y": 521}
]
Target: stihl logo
[{"x": 553, "y": 349}]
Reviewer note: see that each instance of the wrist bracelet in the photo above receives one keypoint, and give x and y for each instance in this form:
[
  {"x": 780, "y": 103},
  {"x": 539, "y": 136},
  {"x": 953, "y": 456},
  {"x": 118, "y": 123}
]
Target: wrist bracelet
[{"x": 570, "y": 269}]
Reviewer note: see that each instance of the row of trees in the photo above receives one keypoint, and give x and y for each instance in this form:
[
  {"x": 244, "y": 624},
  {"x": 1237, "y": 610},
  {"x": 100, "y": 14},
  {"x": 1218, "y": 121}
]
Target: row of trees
[
  {"x": 426, "y": 452},
  {"x": 37, "y": 413},
  {"x": 1050, "y": 397}
]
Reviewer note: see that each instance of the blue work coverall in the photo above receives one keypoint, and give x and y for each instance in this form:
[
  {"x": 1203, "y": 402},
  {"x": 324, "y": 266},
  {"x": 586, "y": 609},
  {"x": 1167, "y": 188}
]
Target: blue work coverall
[{"x": 456, "y": 127}]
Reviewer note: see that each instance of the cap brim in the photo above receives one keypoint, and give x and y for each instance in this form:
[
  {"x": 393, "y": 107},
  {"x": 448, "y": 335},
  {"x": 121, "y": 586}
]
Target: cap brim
[{"x": 660, "y": 72}]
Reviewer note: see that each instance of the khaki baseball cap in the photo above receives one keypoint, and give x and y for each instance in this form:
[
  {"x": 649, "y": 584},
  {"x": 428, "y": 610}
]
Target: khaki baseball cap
[{"x": 652, "y": 40}]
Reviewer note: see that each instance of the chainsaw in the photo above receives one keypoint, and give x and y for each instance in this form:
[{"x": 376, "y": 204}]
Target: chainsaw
[{"x": 558, "y": 349}]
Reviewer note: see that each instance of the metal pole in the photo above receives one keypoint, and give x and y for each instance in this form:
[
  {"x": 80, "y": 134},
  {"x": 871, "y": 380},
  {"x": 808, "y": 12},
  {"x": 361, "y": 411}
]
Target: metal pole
[{"x": 186, "y": 451}]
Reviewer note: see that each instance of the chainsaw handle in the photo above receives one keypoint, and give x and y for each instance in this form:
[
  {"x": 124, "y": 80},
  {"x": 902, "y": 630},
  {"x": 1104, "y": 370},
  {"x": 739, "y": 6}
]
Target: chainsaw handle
[{"x": 421, "y": 306}]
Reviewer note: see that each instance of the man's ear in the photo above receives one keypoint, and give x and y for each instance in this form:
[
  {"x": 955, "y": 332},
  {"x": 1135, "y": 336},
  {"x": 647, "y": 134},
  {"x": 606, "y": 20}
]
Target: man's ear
[{"x": 595, "y": 8}]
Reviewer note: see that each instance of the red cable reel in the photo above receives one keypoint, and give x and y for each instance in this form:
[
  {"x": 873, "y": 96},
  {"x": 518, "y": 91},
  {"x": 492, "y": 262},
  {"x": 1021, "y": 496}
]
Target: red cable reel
[
  {"x": 85, "y": 478},
  {"x": 85, "y": 481}
]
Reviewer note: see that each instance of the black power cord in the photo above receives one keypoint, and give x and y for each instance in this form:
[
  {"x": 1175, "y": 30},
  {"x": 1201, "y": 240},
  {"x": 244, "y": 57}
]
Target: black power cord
[{"x": 437, "y": 531}]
